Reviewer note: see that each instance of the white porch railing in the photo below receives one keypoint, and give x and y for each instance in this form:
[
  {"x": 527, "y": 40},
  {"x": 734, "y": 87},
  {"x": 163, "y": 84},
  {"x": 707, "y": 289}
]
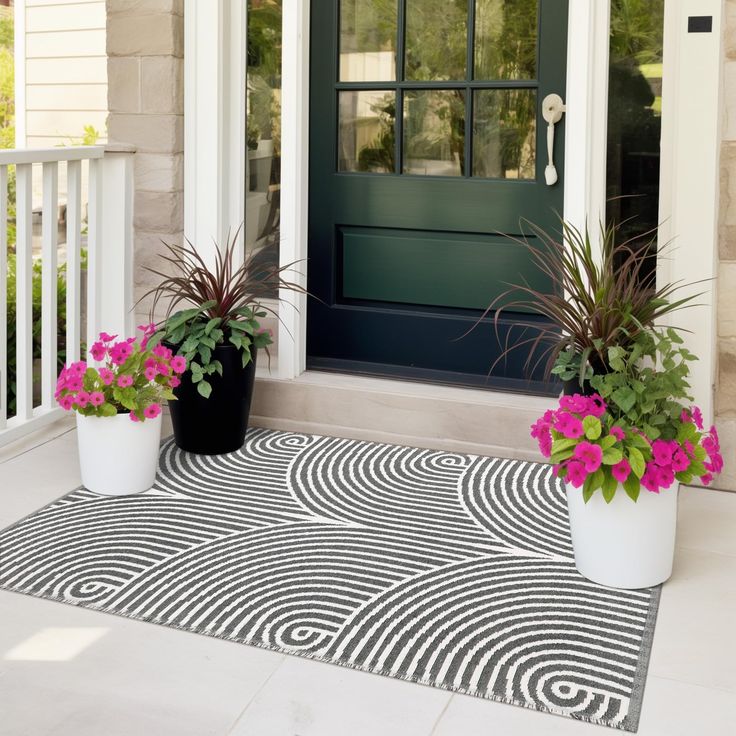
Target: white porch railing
[{"x": 109, "y": 267}]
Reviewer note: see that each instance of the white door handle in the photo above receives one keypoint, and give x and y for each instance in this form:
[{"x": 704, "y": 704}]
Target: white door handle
[{"x": 552, "y": 109}]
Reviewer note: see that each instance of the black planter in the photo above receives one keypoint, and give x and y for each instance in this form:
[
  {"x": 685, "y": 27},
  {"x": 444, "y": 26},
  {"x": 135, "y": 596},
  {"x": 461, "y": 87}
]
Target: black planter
[
  {"x": 216, "y": 425},
  {"x": 572, "y": 386}
]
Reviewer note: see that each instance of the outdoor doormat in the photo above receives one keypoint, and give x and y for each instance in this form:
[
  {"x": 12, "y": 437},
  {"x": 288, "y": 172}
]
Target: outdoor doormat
[{"x": 448, "y": 570}]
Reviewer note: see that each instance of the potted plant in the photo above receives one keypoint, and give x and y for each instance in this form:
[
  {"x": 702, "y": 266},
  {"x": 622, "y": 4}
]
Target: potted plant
[
  {"x": 599, "y": 297},
  {"x": 622, "y": 453},
  {"x": 118, "y": 407},
  {"x": 219, "y": 334}
]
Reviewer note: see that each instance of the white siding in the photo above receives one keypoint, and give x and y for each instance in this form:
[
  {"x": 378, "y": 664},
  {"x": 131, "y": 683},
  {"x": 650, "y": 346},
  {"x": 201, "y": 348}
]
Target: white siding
[{"x": 65, "y": 70}]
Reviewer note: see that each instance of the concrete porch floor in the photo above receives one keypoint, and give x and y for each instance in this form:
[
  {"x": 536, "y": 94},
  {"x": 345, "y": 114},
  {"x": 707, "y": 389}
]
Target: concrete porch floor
[{"x": 68, "y": 671}]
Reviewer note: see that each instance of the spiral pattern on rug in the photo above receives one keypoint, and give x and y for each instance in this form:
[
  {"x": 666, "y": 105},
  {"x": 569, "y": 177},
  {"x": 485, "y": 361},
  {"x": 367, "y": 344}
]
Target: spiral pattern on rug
[{"x": 444, "y": 569}]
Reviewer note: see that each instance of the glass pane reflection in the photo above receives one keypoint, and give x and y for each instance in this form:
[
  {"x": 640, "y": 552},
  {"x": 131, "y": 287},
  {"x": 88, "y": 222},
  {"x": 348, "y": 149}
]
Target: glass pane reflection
[
  {"x": 368, "y": 31},
  {"x": 434, "y": 132},
  {"x": 367, "y": 141},
  {"x": 505, "y": 39},
  {"x": 504, "y": 133}
]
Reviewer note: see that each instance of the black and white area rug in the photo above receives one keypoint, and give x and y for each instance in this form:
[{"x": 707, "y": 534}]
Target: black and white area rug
[{"x": 443, "y": 569}]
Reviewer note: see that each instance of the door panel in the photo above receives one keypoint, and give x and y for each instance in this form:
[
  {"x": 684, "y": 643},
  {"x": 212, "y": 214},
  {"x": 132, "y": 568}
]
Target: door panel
[{"x": 423, "y": 157}]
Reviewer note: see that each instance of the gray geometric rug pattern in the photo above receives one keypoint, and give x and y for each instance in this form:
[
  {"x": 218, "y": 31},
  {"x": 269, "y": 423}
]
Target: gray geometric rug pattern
[{"x": 443, "y": 569}]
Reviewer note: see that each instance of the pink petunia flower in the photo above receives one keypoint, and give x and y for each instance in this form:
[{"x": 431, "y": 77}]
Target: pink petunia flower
[
  {"x": 134, "y": 417},
  {"x": 680, "y": 460},
  {"x": 66, "y": 402},
  {"x": 597, "y": 406},
  {"x": 576, "y": 473},
  {"x": 107, "y": 376},
  {"x": 621, "y": 471},
  {"x": 81, "y": 399},
  {"x": 665, "y": 476},
  {"x": 97, "y": 398},
  {"x": 577, "y": 403},
  {"x": 98, "y": 351},
  {"x": 618, "y": 433},
  {"x": 174, "y": 382},
  {"x": 178, "y": 364},
  {"x": 589, "y": 455},
  {"x": 150, "y": 374},
  {"x": 545, "y": 445},
  {"x": 125, "y": 381},
  {"x": 650, "y": 479},
  {"x": 107, "y": 338},
  {"x": 706, "y": 479},
  {"x": 697, "y": 417},
  {"x": 662, "y": 452},
  {"x": 152, "y": 411},
  {"x": 568, "y": 425}
]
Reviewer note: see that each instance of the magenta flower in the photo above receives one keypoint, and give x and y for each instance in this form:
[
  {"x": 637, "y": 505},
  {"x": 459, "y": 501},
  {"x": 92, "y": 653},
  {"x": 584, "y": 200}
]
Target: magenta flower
[
  {"x": 174, "y": 382},
  {"x": 568, "y": 425},
  {"x": 621, "y": 471},
  {"x": 107, "y": 376},
  {"x": 662, "y": 452},
  {"x": 163, "y": 369},
  {"x": 597, "y": 406},
  {"x": 66, "y": 402},
  {"x": 576, "y": 473},
  {"x": 98, "y": 351},
  {"x": 107, "y": 338},
  {"x": 161, "y": 351},
  {"x": 97, "y": 398},
  {"x": 178, "y": 364},
  {"x": 545, "y": 445},
  {"x": 618, "y": 433},
  {"x": 120, "y": 352},
  {"x": 706, "y": 479},
  {"x": 589, "y": 455},
  {"x": 150, "y": 374},
  {"x": 134, "y": 417},
  {"x": 125, "y": 381},
  {"x": 680, "y": 460},
  {"x": 650, "y": 479},
  {"x": 82, "y": 399},
  {"x": 665, "y": 476},
  {"x": 697, "y": 417},
  {"x": 577, "y": 403},
  {"x": 152, "y": 411}
]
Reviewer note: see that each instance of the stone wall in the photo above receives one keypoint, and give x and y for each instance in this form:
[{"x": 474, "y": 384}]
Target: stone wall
[
  {"x": 145, "y": 49},
  {"x": 726, "y": 314}
]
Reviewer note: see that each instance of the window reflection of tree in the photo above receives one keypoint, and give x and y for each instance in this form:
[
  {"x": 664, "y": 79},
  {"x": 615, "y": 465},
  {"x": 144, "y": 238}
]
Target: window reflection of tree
[
  {"x": 264, "y": 128},
  {"x": 634, "y": 119}
]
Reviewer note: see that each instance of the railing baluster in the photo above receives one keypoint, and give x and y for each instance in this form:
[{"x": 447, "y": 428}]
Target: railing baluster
[
  {"x": 3, "y": 296},
  {"x": 49, "y": 287},
  {"x": 24, "y": 292},
  {"x": 94, "y": 221},
  {"x": 73, "y": 246}
]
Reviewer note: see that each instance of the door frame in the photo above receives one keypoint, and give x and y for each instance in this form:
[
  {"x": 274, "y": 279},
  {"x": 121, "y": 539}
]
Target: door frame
[{"x": 215, "y": 72}]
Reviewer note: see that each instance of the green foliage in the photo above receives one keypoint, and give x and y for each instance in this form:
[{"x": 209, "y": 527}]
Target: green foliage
[{"x": 647, "y": 387}]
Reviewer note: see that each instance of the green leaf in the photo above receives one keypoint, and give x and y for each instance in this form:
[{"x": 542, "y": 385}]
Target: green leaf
[
  {"x": 632, "y": 486},
  {"x": 563, "y": 444},
  {"x": 612, "y": 456},
  {"x": 197, "y": 377},
  {"x": 217, "y": 366},
  {"x": 610, "y": 484},
  {"x": 624, "y": 397},
  {"x": 205, "y": 353},
  {"x": 107, "y": 410},
  {"x": 636, "y": 460},
  {"x": 607, "y": 441},
  {"x": 592, "y": 427},
  {"x": 204, "y": 389},
  {"x": 246, "y": 356},
  {"x": 587, "y": 493},
  {"x": 214, "y": 322}
]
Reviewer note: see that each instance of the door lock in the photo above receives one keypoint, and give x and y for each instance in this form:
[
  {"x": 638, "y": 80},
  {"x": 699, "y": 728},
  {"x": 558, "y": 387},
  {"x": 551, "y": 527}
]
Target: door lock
[{"x": 552, "y": 109}]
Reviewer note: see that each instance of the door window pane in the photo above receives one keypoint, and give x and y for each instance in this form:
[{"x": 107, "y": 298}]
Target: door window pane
[
  {"x": 504, "y": 133},
  {"x": 434, "y": 132},
  {"x": 367, "y": 141},
  {"x": 506, "y": 39},
  {"x": 436, "y": 39},
  {"x": 635, "y": 118},
  {"x": 368, "y": 31}
]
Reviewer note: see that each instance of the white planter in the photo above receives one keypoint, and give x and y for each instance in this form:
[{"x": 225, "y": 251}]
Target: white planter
[
  {"x": 118, "y": 456},
  {"x": 624, "y": 544}
]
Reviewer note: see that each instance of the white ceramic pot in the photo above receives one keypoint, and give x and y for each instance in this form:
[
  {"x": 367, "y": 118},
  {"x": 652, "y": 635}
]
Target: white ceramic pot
[
  {"x": 624, "y": 544},
  {"x": 118, "y": 456}
]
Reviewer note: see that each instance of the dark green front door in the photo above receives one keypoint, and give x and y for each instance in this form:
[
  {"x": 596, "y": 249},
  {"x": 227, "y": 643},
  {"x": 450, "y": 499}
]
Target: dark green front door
[{"x": 427, "y": 148}]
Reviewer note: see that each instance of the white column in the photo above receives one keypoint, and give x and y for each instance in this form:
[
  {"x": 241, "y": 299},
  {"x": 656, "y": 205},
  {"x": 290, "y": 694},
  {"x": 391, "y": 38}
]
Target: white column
[
  {"x": 689, "y": 189},
  {"x": 214, "y": 121},
  {"x": 586, "y": 124},
  {"x": 295, "y": 184}
]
